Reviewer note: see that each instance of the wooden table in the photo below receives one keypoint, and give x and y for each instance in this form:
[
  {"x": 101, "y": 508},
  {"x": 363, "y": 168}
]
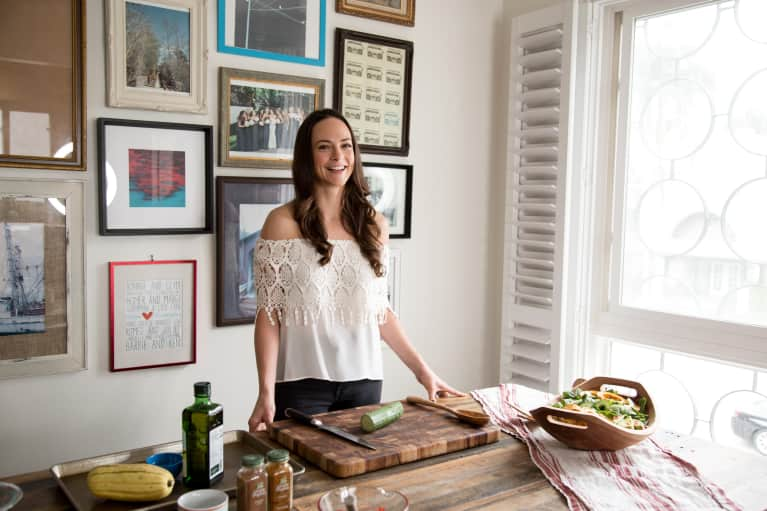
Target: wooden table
[{"x": 499, "y": 476}]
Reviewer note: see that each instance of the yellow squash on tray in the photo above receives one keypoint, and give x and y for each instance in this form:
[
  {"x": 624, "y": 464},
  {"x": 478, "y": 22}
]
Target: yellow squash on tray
[{"x": 131, "y": 482}]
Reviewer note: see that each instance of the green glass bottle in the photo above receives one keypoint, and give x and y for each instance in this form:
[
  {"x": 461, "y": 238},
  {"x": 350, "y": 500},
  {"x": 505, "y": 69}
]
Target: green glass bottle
[{"x": 203, "y": 439}]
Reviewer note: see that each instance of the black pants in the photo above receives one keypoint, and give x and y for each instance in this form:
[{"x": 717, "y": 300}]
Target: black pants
[{"x": 319, "y": 396}]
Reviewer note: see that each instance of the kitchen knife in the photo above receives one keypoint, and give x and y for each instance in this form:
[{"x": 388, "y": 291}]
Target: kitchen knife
[{"x": 313, "y": 421}]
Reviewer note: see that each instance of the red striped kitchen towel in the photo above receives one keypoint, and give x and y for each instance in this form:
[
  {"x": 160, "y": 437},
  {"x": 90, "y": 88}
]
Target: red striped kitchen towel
[{"x": 644, "y": 476}]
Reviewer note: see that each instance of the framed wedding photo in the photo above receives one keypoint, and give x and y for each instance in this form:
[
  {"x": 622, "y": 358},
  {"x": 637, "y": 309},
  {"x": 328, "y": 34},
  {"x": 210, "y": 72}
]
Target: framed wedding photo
[
  {"x": 288, "y": 30},
  {"x": 391, "y": 194},
  {"x": 42, "y": 89},
  {"x": 42, "y": 254},
  {"x": 154, "y": 177},
  {"x": 152, "y": 314},
  {"x": 242, "y": 204},
  {"x": 157, "y": 54},
  {"x": 393, "y": 11},
  {"x": 372, "y": 82},
  {"x": 259, "y": 116}
]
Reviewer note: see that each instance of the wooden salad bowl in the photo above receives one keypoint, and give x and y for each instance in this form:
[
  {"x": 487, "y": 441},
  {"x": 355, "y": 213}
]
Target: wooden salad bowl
[{"x": 587, "y": 431}]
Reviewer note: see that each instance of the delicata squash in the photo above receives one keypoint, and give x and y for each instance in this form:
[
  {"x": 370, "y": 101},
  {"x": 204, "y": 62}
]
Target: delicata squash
[
  {"x": 131, "y": 482},
  {"x": 621, "y": 411}
]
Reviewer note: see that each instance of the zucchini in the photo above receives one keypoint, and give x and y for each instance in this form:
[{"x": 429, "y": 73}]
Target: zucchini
[{"x": 380, "y": 417}]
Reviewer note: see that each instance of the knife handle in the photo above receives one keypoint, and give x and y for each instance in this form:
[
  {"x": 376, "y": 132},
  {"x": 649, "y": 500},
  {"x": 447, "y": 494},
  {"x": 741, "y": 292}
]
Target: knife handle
[{"x": 302, "y": 417}]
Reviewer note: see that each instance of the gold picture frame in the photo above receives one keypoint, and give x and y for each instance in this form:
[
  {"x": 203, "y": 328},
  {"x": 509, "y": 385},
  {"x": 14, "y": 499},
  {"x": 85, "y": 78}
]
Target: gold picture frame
[
  {"x": 42, "y": 107},
  {"x": 401, "y": 12}
]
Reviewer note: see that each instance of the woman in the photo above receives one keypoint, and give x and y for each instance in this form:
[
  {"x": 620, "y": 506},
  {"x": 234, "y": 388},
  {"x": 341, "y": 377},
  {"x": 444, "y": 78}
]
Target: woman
[{"x": 321, "y": 287}]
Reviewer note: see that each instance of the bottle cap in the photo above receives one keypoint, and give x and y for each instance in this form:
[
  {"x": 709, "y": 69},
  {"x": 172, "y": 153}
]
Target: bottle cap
[
  {"x": 252, "y": 460},
  {"x": 278, "y": 455},
  {"x": 202, "y": 388}
]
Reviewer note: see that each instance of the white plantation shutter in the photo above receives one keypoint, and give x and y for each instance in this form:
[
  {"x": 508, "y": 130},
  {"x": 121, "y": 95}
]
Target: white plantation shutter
[{"x": 535, "y": 198}]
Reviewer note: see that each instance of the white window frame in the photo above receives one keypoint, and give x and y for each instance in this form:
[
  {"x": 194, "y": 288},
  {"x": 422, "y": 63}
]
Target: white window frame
[{"x": 590, "y": 208}]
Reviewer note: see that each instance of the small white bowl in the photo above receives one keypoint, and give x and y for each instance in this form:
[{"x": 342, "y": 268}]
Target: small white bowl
[{"x": 203, "y": 500}]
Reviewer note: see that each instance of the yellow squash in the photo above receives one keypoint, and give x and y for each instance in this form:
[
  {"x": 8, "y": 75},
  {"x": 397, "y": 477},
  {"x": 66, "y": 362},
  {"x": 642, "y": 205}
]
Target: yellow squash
[{"x": 133, "y": 482}]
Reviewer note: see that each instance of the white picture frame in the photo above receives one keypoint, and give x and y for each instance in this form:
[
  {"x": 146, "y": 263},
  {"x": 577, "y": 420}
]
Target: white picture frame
[
  {"x": 157, "y": 88},
  {"x": 61, "y": 345}
]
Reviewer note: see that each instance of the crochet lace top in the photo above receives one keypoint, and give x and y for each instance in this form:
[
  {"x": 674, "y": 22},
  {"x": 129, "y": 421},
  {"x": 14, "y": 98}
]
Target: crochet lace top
[{"x": 328, "y": 315}]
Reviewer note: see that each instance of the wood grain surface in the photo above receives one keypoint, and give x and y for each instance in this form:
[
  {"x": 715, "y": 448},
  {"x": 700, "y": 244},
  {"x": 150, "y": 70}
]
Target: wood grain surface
[{"x": 420, "y": 433}]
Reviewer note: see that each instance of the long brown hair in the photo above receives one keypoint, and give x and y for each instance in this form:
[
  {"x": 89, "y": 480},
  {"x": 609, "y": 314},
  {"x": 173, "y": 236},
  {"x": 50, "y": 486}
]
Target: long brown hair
[{"x": 357, "y": 214}]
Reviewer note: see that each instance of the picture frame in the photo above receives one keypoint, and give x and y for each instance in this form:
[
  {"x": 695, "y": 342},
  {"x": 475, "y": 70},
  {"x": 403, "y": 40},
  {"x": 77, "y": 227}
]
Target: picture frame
[
  {"x": 42, "y": 319},
  {"x": 242, "y": 204},
  {"x": 148, "y": 167},
  {"x": 391, "y": 193},
  {"x": 157, "y": 55},
  {"x": 292, "y": 31},
  {"x": 152, "y": 314},
  {"x": 393, "y": 278},
  {"x": 259, "y": 116},
  {"x": 43, "y": 103},
  {"x": 372, "y": 84},
  {"x": 401, "y": 12}
]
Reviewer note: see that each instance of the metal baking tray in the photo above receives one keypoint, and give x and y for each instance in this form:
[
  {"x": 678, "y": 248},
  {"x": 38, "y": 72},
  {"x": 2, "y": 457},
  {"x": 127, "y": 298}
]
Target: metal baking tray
[{"x": 71, "y": 476}]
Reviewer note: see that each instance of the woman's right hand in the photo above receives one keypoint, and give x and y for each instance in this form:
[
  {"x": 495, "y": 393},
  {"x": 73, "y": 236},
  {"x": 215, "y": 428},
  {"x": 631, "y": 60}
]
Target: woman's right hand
[{"x": 263, "y": 414}]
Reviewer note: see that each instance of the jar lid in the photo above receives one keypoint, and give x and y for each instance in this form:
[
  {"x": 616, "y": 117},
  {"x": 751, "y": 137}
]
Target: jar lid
[
  {"x": 278, "y": 455},
  {"x": 252, "y": 460},
  {"x": 202, "y": 388}
]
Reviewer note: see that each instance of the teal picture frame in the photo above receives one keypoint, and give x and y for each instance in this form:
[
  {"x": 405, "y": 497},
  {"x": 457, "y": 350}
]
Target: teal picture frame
[{"x": 278, "y": 48}]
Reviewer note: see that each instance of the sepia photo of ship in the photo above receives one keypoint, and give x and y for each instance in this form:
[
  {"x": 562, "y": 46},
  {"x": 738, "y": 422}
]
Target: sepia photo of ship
[{"x": 22, "y": 286}]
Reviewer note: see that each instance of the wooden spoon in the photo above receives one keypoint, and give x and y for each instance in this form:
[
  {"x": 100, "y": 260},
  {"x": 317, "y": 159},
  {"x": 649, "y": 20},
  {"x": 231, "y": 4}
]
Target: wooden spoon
[{"x": 476, "y": 418}]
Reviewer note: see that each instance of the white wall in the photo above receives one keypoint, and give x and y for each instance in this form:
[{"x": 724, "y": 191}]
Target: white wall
[{"x": 450, "y": 298}]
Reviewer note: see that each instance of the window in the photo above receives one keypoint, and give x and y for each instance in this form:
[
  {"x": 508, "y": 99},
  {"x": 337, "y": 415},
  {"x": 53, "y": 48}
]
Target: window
[
  {"x": 681, "y": 258},
  {"x": 647, "y": 258}
]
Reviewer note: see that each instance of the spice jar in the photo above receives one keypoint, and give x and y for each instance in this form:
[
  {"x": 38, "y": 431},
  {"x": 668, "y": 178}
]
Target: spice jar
[
  {"x": 252, "y": 484},
  {"x": 280, "y": 480}
]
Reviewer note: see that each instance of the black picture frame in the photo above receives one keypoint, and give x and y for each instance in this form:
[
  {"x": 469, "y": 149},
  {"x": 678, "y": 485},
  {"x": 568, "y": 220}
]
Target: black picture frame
[
  {"x": 372, "y": 89},
  {"x": 238, "y": 198},
  {"x": 391, "y": 193},
  {"x": 139, "y": 177}
]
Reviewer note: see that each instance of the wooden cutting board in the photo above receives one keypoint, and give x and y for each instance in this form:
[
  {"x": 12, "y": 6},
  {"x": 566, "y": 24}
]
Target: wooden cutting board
[{"x": 420, "y": 433}]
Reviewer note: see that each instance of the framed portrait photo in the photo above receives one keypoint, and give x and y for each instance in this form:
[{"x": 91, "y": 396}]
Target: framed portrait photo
[
  {"x": 242, "y": 204},
  {"x": 391, "y": 194},
  {"x": 259, "y": 116},
  {"x": 372, "y": 89},
  {"x": 42, "y": 290},
  {"x": 157, "y": 54},
  {"x": 42, "y": 89},
  {"x": 152, "y": 314},
  {"x": 288, "y": 30},
  {"x": 393, "y": 11},
  {"x": 154, "y": 177}
]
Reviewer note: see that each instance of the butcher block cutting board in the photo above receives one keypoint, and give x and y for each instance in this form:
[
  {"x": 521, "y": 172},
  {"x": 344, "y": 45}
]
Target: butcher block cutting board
[{"x": 420, "y": 433}]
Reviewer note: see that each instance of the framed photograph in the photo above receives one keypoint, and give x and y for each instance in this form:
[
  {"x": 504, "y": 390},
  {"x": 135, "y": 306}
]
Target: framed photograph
[
  {"x": 393, "y": 278},
  {"x": 372, "y": 89},
  {"x": 157, "y": 54},
  {"x": 259, "y": 116},
  {"x": 393, "y": 11},
  {"x": 242, "y": 204},
  {"x": 391, "y": 194},
  {"x": 43, "y": 84},
  {"x": 289, "y": 30},
  {"x": 155, "y": 177},
  {"x": 42, "y": 288},
  {"x": 152, "y": 314}
]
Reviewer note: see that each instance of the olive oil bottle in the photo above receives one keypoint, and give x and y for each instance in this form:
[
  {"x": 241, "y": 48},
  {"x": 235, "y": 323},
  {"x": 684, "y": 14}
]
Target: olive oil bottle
[{"x": 203, "y": 439}]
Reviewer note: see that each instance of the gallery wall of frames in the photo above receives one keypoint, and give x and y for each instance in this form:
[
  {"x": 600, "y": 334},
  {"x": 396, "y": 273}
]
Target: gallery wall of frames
[{"x": 156, "y": 177}]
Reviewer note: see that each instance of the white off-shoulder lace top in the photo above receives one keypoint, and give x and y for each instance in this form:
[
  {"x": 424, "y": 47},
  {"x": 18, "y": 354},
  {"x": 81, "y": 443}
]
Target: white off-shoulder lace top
[{"x": 328, "y": 315}]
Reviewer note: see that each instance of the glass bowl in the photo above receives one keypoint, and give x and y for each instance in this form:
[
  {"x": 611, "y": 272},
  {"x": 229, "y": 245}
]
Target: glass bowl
[
  {"x": 362, "y": 498},
  {"x": 10, "y": 495}
]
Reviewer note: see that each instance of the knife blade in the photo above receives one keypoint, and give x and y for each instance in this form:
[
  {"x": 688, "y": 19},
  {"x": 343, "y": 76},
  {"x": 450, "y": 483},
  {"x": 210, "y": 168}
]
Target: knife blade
[{"x": 315, "y": 422}]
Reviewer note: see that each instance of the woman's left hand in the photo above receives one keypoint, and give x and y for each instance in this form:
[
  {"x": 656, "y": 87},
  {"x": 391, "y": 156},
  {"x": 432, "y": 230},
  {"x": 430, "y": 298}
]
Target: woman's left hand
[{"x": 434, "y": 385}]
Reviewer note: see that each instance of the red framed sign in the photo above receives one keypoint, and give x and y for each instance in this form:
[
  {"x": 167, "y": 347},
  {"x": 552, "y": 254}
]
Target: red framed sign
[{"x": 152, "y": 314}]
